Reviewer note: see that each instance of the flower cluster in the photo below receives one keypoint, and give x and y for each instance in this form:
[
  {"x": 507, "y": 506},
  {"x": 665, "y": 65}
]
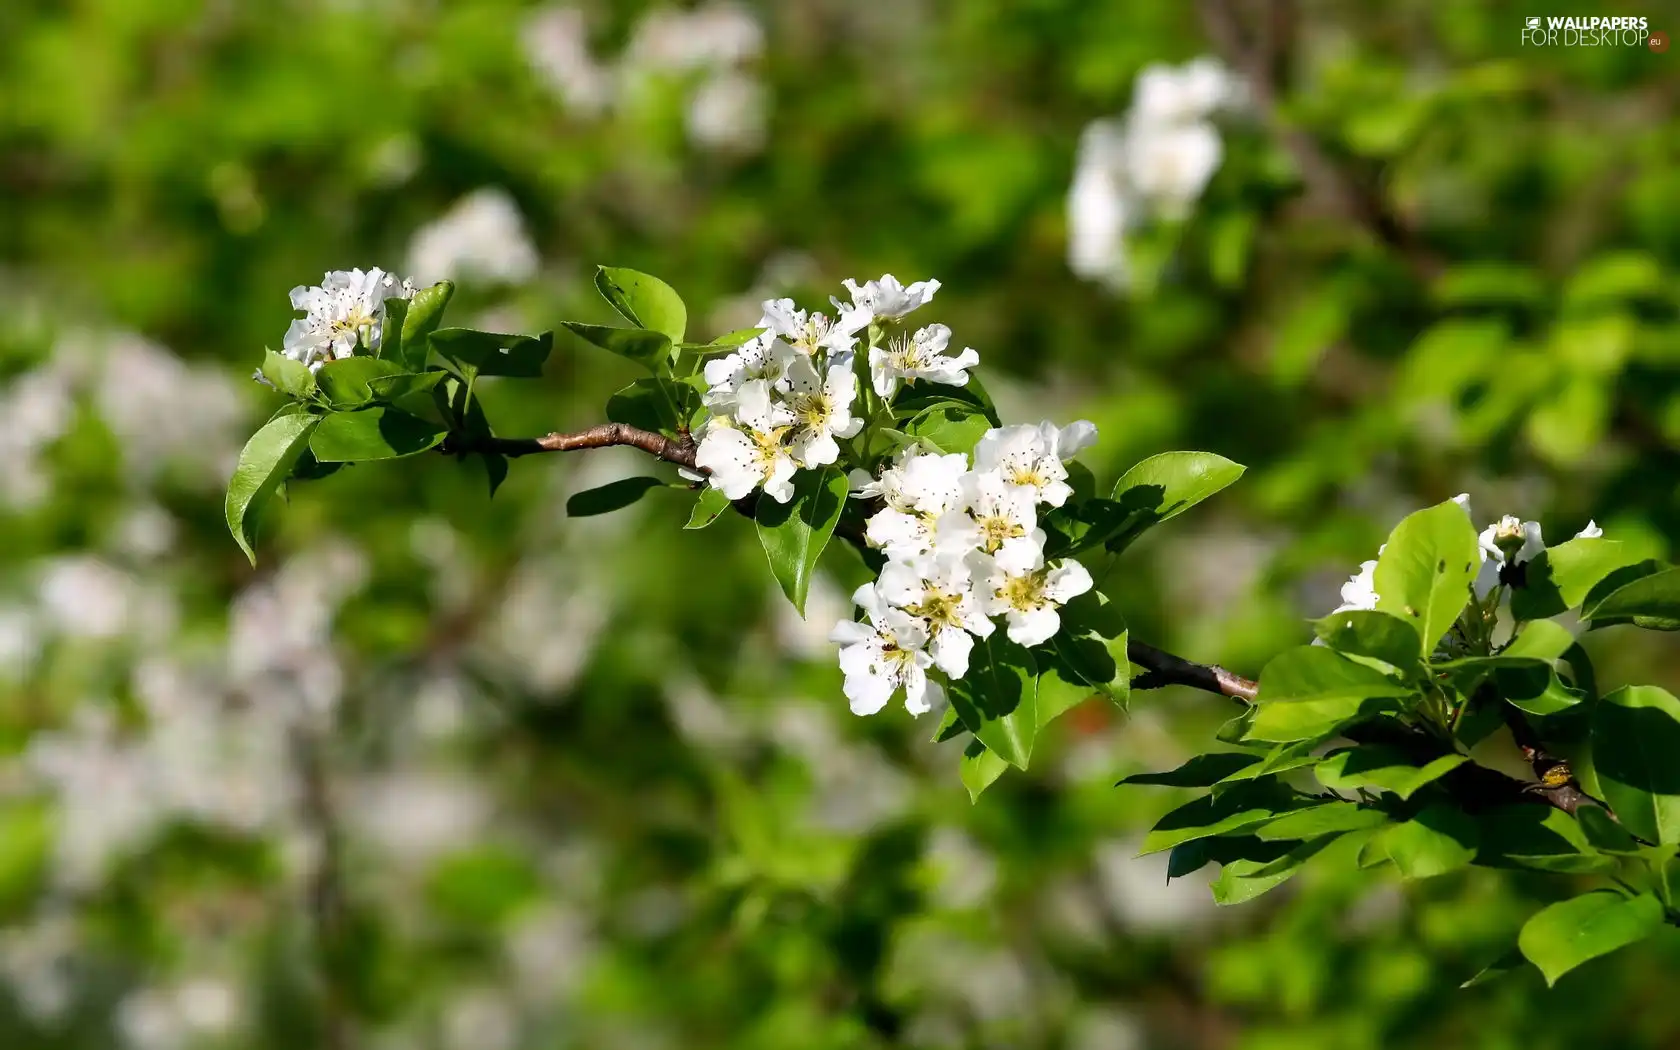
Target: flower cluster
[
  {"x": 963, "y": 546},
  {"x": 783, "y": 401},
  {"x": 1508, "y": 541},
  {"x": 345, "y": 310},
  {"x": 1156, "y": 160}
]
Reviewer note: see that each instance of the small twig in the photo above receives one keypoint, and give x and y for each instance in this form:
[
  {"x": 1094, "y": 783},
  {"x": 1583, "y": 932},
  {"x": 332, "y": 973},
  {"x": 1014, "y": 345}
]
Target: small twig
[
  {"x": 325, "y": 895},
  {"x": 1258, "y": 56},
  {"x": 1162, "y": 668},
  {"x": 606, "y": 435}
]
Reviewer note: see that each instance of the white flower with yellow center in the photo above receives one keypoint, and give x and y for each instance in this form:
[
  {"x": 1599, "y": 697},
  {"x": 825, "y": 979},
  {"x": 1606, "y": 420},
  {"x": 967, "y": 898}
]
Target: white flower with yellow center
[
  {"x": 1027, "y": 593},
  {"x": 1031, "y": 456},
  {"x": 884, "y": 655},
  {"x": 747, "y": 451},
  {"x": 812, "y": 333},
  {"x": 1001, "y": 512},
  {"x": 345, "y": 310},
  {"x": 923, "y": 493},
  {"x": 821, "y": 407},
  {"x": 938, "y": 591},
  {"x": 907, "y": 358},
  {"x": 764, "y": 358}
]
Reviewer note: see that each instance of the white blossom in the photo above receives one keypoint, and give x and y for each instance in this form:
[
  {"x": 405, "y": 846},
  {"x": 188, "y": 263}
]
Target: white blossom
[
  {"x": 1154, "y": 162},
  {"x": 746, "y": 452},
  {"x": 1359, "y": 592},
  {"x": 886, "y": 299},
  {"x": 1099, "y": 206},
  {"x": 939, "y": 591},
  {"x": 482, "y": 235},
  {"x": 346, "y": 309},
  {"x": 812, "y": 332},
  {"x": 714, "y": 35},
  {"x": 883, "y": 655},
  {"x": 765, "y": 357},
  {"x": 728, "y": 112},
  {"x": 1165, "y": 95},
  {"x": 821, "y": 407},
  {"x": 924, "y": 496},
  {"x": 1001, "y": 511},
  {"x": 1170, "y": 166},
  {"x": 1591, "y": 532},
  {"x": 919, "y": 356},
  {"x": 1031, "y": 456},
  {"x": 1019, "y": 586},
  {"x": 556, "y": 42}
]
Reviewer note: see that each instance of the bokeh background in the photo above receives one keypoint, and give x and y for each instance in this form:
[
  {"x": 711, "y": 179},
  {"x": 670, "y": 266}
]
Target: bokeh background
[{"x": 459, "y": 774}]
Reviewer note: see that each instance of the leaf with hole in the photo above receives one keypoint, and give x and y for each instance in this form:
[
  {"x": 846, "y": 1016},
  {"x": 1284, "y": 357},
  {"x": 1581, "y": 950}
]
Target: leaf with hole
[{"x": 643, "y": 300}]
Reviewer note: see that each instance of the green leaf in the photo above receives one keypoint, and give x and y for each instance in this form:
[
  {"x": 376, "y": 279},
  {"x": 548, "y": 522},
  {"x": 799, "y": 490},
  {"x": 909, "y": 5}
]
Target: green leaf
[
  {"x": 391, "y": 331},
  {"x": 425, "y": 314},
  {"x": 264, "y": 463},
  {"x": 643, "y": 300},
  {"x": 1281, "y": 759},
  {"x": 380, "y": 432},
  {"x": 1635, "y": 738},
  {"x": 1424, "y": 572},
  {"x": 292, "y": 378},
  {"x": 1329, "y": 818},
  {"x": 1541, "y": 640},
  {"x": 950, "y": 428},
  {"x": 1538, "y": 644},
  {"x": 979, "y": 768},
  {"x": 1242, "y": 807},
  {"x": 1652, "y": 601},
  {"x": 494, "y": 354},
  {"x": 998, "y": 698},
  {"x": 649, "y": 349},
  {"x": 1438, "y": 840},
  {"x": 1564, "y": 935},
  {"x": 1165, "y": 486},
  {"x": 391, "y": 388},
  {"x": 724, "y": 343},
  {"x": 348, "y": 382},
  {"x": 1561, "y": 576},
  {"x": 1538, "y": 837},
  {"x": 1058, "y": 694},
  {"x": 1373, "y": 767},
  {"x": 794, "y": 533},
  {"x": 1201, "y": 771},
  {"x": 658, "y": 405},
  {"x": 1536, "y": 688},
  {"x": 707, "y": 507},
  {"x": 1603, "y": 832},
  {"x": 1092, "y": 642},
  {"x": 1311, "y": 690},
  {"x": 1245, "y": 878},
  {"x": 1496, "y": 969},
  {"x": 1366, "y": 632},
  {"x": 615, "y": 495}
]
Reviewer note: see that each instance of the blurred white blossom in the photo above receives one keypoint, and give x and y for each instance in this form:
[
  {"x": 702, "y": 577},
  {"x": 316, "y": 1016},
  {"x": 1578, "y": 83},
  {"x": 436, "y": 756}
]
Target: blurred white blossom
[
  {"x": 556, "y": 41},
  {"x": 1152, "y": 163},
  {"x": 481, "y": 237}
]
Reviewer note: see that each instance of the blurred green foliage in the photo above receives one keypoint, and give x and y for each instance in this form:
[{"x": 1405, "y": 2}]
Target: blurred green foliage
[{"x": 588, "y": 783}]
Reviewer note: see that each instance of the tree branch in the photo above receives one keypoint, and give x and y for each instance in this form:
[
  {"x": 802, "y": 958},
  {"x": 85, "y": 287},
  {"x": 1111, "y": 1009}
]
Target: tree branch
[
  {"x": 1162, "y": 668},
  {"x": 1477, "y": 787},
  {"x": 1259, "y": 57},
  {"x": 606, "y": 435}
]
